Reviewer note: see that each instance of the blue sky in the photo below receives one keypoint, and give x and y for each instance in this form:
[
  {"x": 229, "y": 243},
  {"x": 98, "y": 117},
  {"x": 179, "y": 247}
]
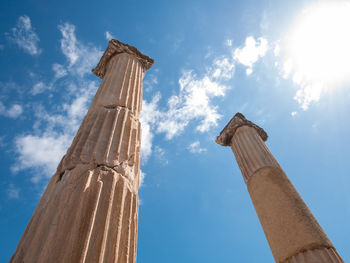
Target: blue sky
[{"x": 284, "y": 64}]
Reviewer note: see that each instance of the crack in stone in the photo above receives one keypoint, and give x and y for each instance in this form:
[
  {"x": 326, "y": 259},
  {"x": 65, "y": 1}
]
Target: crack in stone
[{"x": 122, "y": 169}]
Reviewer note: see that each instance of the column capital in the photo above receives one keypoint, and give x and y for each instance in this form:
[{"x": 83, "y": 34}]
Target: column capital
[
  {"x": 117, "y": 47},
  {"x": 237, "y": 121}
]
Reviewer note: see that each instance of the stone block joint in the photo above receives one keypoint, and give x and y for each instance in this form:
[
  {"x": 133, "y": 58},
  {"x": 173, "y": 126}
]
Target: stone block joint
[{"x": 89, "y": 210}]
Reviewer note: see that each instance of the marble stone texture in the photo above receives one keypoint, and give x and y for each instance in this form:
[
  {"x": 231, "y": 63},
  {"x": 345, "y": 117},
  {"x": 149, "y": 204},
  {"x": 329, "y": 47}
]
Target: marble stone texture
[
  {"x": 293, "y": 233},
  {"x": 89, "y": 210}
]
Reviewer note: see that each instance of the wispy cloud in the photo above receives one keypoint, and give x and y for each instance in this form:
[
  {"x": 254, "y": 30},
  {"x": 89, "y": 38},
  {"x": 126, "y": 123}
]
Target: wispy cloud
[
  {"x": 59, "y": 70},
  {"x": 24, "y": 36},
  {"x": 81, "y": 57},
  {"x": 150, "y": 115},
  {"x": 314, "y": 53},
  {"x": 39, "y": 87},
  {"x": 42, "y": 149},
  {"x": 195, "y": 147},
  {"x": 13, "y": 192},
  {"x": 192, "y": 103},
  {"x": 160, "y": 155},
  {"x": 251, "y": 52},
  {"x": 14, "y": 111},
  {"x": 109, "y": 35},
  {"x": 194, "y": 100}
]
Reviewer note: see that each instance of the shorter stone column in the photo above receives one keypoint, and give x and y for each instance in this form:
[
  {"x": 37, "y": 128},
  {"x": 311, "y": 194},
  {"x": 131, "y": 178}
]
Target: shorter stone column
[{"x": 291, "y": 230}]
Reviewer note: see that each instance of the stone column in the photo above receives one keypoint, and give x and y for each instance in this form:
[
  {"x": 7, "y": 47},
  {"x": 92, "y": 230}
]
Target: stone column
[
  {"x": 291, "y": 230},
  {"x": 88, "y": 212}
]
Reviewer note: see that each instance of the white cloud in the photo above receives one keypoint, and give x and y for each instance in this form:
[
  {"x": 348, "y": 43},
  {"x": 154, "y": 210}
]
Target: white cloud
[
  {"x": 82, "y": 58},
  {"x": 251, "y": 52},
  {"x": 12, "y": 112},
  {"x": 193, "y": 103},
  {"x": 142, "y": 178},
  {"x": 42, "y": 149},
  {"x": 24, "y": 36},
  {"x": 195, "y": 147},
  {"x": 315, "y": 51},
  {"x": 109, "y": 35},
  {"x": 149, "y": 82},
  {"x": 160, "y": 155},
  {"x": 53, "y": 133},
  {"x": 293, "y": 113},
  {"x": 59, "y": 70},
  {"x": 13, "y": 192},
  {"x": 38, "y": 88},
  {"x": 149, "y": 117}
]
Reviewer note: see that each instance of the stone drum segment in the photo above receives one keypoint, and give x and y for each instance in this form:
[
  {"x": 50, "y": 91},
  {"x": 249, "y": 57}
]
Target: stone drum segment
[{"x": 89, "y": 210}]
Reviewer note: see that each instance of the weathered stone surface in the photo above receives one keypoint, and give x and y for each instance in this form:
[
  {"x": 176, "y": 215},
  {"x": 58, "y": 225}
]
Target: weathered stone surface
[
  {"x": 320, "y": 255},
  {"x": 84, "y": 216},
  {"x": 250, "y": 151},
  {"x": 122, "y": 84},
  {"x": 110, "y": 137},
  {"x": 293, "y": 233},
  {"x": 288, "y": 224},
  {"x": 115, "y": 47},
  {"x": 89, "y": 210},
  {"x": 231, "y": 127}
]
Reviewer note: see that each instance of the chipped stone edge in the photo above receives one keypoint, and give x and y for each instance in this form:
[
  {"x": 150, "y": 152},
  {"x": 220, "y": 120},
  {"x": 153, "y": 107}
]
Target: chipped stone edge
[
  {"x": 117, "y": 47},
  {"x": 231, "y": 127}
]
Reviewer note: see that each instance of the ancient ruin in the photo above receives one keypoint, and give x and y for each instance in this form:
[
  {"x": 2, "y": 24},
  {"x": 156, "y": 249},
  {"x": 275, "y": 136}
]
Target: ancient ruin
[
  {"x": 291, "y": 230},
  {"x": 89, "y": 210}
]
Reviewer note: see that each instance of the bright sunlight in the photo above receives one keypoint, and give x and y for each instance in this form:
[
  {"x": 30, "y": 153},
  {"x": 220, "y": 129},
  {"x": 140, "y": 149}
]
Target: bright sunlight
[{"x": 317, "y": 50}]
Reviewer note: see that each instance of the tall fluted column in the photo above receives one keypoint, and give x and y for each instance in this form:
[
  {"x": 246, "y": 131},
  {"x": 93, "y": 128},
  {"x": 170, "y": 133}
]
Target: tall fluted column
[
  {"x": 291, "y": 230},
  {"x": 88, "y": 212}
]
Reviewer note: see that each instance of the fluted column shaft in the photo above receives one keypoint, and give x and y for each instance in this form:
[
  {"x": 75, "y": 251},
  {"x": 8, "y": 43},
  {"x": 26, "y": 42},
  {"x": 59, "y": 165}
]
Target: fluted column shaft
[
  {"x": 89, "y": 210},
  {"x": 292, "y": 232}
]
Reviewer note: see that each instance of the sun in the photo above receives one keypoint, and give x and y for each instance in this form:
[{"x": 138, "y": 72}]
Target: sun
[{"x": 317, "y": 47}]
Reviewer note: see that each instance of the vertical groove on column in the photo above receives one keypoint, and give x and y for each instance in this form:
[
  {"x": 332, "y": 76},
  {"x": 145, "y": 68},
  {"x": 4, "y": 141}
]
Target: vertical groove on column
[
  {"x": 240, "y": 153},
  {"x": 100, "y": 148},
  {"x": 91, "y": 139},
  {"x": 137, "y": 90},
  {"x": 107, "y": 227},
  {"x": 131, "y": 86},
  {"x": 117, "y": 210},
  {"x": 89, "y": 211},
  {"x": 113, "y": 128},
  {"x": 111, "y": 138},
  {"x": 124, "y": 139},
  {"x": 98, "y": 185},
  {"x": 116, "y": 141},
  {"x": 80, "y": 224},
  {"x": 123, "y": 241},
  {"x": 140, "y": 89},
  {"x": 120, "y": 223},
  {"x": 134, "y": 88},
  {"x": 250, "y": 151},
  {"x": 125, "y": 84},
  {"x": 133, "y": 231},
  {"x": 112, "y": 91}
]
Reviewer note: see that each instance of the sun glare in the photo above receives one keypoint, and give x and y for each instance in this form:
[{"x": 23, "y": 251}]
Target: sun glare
[{"x": 317, "y": 47}]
